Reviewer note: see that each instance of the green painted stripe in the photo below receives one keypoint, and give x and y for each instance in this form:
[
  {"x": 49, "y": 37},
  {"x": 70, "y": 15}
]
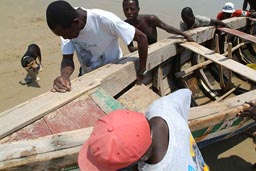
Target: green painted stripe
[
  {"x": 238, "y": 121},
  {"x": 106, "y": 102},
  {"x": 199, "y": 133},
  {"x": 216, "y": 127},
  {"x": 72, "y": 168}
]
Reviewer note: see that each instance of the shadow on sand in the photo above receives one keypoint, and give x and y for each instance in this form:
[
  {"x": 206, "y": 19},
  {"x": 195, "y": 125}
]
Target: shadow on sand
[{"x": 233, "y": 162}]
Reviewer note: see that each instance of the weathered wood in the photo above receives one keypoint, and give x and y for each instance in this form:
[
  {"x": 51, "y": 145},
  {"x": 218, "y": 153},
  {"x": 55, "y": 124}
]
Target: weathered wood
[
  {"x": 55, "y": 160},
  {"x": 205, "y": 63},
  {"x": 163, "y": 50},
  {"x": 32, "y": 131},
  {"x": 238, "y": 33},
  {"x": 158, "y": 81},
  {"x": 61, "y": 148},
  {"x": 36, "y": 108},
  {"x": 221, "y": 60},
  {"x": 232, "y": 104},
  {"x": 105, "y": 102},
  {"x": 80, "y": 114},
  {"x": 138, "y": 98}
]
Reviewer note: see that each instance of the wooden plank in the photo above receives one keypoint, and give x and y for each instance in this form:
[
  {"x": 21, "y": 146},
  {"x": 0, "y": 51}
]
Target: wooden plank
[
  {"x": 62, "y": 149},
  {"x": 238, "y": 33},
  {"x": 75, "y": 115},
  {"x": 234, "y": 104},
  {"x": 158, "y": 81},
  {"x": 35, "y": 130},
  {"x": 36, "y": 108},
  {"x": 205, "y": 63},
  {"x": 135, "y": 100},
  {"x": 105, "y": 102},
  {"x": 221, "y": 60},
  {"x": 60, "y": 160},
  {"x": 45, "y": 144}
]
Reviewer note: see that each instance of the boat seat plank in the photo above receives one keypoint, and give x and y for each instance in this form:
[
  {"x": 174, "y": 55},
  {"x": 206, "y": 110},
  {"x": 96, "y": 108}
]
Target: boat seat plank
[
  {"x": 138, "y": 98},
  {"x": 221, "y": 60},
  {"x": 35, "y": 130},
  {"x": 78, "y": 114},
  {"x": 238, "y": 33},
  {"x": 106, "y": 102}
]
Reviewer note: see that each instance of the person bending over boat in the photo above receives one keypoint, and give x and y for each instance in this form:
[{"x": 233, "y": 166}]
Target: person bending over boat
[
  {"x": 251, "y": 3},
  {"x": 159, "y": 140},
  {"x": 190, "y": 21},
  {"x": 229, "y": 11},
  {"x": 93, "y": 34},
  {"x": 147, "y": 23}
]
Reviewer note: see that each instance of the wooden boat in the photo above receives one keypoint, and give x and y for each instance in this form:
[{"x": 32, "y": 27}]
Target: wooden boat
[{"x": 46, "y": 132}]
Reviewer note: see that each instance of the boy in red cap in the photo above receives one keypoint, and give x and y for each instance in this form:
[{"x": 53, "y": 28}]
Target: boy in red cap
[{"x": 160, "y": 140}]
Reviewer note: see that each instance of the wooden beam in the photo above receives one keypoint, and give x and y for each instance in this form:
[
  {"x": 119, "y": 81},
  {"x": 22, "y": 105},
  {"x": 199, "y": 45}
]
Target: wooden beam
[
  {"x": 221, "y": 60},
  {"x": 205, "y": 63},
  {"x": 138, "y": 98},
  {"x": 106, "y": 102},
  {"x": 232, "y": 104},
  {"x": 37, "y": 152},
  {"x": 238, "y": 33}
]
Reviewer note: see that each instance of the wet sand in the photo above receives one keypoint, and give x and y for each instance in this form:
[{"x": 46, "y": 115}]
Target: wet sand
[{"x": 23, "y": 22}]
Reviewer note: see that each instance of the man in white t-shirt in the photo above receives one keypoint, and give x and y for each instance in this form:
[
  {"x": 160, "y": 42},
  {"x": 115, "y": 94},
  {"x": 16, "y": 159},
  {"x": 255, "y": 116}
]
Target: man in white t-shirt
[
  {"x": 160, "y": 141},
  {"x": 93, "y": 34}
]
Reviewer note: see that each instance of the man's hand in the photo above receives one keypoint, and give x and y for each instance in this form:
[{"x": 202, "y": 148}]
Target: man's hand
[
  {"x": 189, "y": 38},
  {"x": 250, "y": 112},
  {"x": 61, "y": 85}
]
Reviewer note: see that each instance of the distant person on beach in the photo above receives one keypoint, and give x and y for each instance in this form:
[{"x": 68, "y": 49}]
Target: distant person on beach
[
  {"x": 190, "y": 21},
  {"x": 93, "y": 34},
  {"x": 147, "y": 23},
  {"x": 160, "y": 140},
  {"x": 229, "y": 11},
  {"x": 252, "y": 4}
]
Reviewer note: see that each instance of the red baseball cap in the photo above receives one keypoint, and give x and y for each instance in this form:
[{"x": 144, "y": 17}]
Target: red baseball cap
[{"x": 118, "y": 140}]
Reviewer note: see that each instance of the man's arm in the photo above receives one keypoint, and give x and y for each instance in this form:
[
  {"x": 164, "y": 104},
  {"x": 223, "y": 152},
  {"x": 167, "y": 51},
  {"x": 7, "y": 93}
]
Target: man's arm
[
  {"x": 62, "y": 83},
  {"x": 132, "y": 48},
  {"x": 142, "y": 41},
  {"x": 215, "y": 22},
  {"x": 169, "y": 28}
]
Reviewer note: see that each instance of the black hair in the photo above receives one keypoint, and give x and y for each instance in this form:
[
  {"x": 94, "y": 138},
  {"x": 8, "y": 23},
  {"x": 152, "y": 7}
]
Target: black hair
[
  {"x": 136, "y": 1},
  {"x": 187, "y": 12},
  {"x": 60, "y": 13}
]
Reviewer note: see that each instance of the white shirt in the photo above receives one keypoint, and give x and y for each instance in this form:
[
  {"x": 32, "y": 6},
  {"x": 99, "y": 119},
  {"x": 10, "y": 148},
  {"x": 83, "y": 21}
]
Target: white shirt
[
  {"x": 182, "y": 153},
  {"x": 97, "y": 44}
]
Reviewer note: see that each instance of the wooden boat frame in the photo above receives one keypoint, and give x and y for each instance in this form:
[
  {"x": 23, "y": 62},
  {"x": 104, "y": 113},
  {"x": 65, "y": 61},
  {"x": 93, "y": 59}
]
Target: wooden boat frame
[{"x": 208, "y": 123}]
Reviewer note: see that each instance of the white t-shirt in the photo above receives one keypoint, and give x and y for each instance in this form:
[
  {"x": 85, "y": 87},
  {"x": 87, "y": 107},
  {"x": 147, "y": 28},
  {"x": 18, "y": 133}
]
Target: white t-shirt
[
  {"x": 200, "y": 21},
  {"x": 182, "y": 153},
  {"x": 97, "y": 44}
]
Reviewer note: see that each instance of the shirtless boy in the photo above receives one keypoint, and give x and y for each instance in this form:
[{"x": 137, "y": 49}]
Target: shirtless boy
[{"x": 147, "y": 23}]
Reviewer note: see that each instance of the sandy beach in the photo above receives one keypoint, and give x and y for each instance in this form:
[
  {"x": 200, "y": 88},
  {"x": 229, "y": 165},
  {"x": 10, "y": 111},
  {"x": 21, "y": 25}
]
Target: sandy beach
[{"x": 23, "y": 23}]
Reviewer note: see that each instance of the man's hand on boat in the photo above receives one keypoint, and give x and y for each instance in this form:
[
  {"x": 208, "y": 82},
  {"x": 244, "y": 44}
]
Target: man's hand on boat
[
  {"x": 189, "y": 38},
  {"x": 249, "y": 112},
  {"x": 61, "y": 85}
]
